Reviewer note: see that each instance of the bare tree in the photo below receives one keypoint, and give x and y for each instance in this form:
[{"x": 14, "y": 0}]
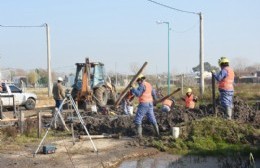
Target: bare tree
[
  {"x": 134, "y": 67},
  {"x": 239, "y": 64}
]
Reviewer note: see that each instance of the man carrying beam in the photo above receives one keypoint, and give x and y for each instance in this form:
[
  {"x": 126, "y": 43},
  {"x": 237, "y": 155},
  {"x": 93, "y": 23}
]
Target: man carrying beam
[{"x": 146, "y": 95}]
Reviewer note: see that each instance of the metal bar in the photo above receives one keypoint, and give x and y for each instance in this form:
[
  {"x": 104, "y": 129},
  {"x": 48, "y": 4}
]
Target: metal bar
[
  {"x": 53, "y": 119},
  {"x": 82, "y": 122}
]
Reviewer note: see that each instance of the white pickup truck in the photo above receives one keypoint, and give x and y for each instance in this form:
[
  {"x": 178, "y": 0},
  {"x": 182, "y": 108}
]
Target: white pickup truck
[{"x": 28, "y": 100}]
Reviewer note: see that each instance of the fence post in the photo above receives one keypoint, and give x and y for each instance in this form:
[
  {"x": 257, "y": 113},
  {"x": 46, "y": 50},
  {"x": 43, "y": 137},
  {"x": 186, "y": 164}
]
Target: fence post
[
  {"x": 39, "y": 119},
  {"x": 1, "y": 109},
  {"x": 21, "y": 121}
]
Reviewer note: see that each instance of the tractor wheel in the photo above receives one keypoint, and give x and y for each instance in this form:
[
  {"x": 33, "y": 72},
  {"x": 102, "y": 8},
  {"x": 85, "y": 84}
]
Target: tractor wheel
[
  {"x": 113, "y": 96},
  {"x": 101, "y": 96}
]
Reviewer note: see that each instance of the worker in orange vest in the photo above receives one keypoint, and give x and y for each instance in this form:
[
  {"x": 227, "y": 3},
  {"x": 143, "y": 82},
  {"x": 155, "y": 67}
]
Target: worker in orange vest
[
  {"x": 225, "y": 80},
  {"x": 190, "y": 99},
  {"x": 168, "y": 104},
  {"x": 146, "y": 95}
]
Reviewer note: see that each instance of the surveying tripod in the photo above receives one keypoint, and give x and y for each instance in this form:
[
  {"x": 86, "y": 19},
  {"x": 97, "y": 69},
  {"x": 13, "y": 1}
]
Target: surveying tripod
[{"x": 68, "y": 99}]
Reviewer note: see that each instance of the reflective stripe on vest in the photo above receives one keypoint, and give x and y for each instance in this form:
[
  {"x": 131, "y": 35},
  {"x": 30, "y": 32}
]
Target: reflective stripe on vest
[
  {"x": 167, "y": 102},
  {"x": 189, "y": 103},
  {"x": 227, "y": 82},
  {"x": 147, "y": 95}
]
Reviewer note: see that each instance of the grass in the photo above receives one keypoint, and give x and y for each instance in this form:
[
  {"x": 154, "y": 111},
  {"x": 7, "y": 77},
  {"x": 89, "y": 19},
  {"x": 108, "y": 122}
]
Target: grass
[{"x": 212, "y": 136}]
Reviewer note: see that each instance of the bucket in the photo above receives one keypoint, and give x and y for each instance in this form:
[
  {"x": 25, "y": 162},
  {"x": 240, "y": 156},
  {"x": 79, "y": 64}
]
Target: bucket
[
  {"x": 94, "y": 108},
  {"x": 175, "y": 132},
  {"x": 130, "y": 110}
]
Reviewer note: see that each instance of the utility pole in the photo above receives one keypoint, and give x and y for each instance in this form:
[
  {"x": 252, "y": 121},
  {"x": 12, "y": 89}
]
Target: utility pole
[
  {"x": 48, "y": 60},
  {"x": 201, "y": 56}
]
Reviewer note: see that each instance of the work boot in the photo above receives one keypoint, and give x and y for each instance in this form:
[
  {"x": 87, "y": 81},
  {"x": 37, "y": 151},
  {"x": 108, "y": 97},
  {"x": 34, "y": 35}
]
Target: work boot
[
  {"x": 155, "y": 126},
  {"x": 229, "y": 112},
  {"x": 139, "y": 130}
]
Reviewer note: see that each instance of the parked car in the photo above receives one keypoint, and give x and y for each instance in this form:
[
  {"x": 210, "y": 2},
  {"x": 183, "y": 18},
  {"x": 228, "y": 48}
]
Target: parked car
[{"x": 28, "y": 100}]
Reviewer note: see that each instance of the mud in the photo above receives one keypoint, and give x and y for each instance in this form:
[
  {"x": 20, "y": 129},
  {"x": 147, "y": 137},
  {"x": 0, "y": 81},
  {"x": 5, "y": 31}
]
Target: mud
[{"x": 123, "y": 124}]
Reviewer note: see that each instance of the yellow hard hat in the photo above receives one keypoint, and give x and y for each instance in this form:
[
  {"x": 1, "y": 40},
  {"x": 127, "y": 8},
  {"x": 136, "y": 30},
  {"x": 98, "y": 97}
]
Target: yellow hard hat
[
  {"x": 222, "y": 60},
  {"x": 189, "y": 90},
  {"x": 141, "y": 76}
]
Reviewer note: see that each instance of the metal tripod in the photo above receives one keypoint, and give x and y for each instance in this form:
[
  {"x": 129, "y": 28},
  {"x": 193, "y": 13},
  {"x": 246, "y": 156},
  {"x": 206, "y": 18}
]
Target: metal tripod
[{"x": 69, "y": 99}]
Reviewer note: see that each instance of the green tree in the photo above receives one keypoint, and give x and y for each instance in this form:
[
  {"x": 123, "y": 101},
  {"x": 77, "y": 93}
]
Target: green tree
[{"x": 32, "y": 78}]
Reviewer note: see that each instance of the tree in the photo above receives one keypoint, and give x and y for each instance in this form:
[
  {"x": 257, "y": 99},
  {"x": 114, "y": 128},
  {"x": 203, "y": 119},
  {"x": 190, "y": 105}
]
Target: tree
[
  {"x": 239, "y": 65},
  {"x": 207, "y": 67},
  {"x": 32, "y": 77},
  {"x": 42, "y": 76},
  {"x": 134, "y": 67}
]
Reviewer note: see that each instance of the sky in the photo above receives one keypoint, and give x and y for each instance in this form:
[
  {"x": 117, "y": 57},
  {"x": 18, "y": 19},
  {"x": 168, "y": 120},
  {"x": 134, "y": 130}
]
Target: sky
[{"x": 124, "y": 33}]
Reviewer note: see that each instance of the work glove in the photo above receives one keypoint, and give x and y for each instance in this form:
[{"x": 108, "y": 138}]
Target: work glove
[
  {"x": 132, "y": 85},
  {"x": 213, "y": 71}
]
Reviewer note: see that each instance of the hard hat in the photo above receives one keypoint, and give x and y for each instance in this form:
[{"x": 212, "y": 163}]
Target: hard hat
[
  {"x": 222, "y": 60},
  {"x": 141, "y": 76},
  {"x": 60, "y": 79},
  {"x": 189, "y": 90}
]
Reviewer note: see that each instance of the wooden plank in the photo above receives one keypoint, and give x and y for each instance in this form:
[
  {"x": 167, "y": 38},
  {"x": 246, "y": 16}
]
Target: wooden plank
[
  {"x": 166, "y": 97},
  {"x": 123, "y": 93},
  {"x": 117, "y": 136},
  {"x": 9, "y": 119}
]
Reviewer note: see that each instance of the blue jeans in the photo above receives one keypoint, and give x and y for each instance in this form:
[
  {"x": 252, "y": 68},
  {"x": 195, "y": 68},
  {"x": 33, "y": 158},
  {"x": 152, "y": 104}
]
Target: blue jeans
[
  {"x": 226, "y": 98},
  {"x": 58, "y": 103},
  {"x": 145, "y": 109},
  {"x": 166, "y": 108}
]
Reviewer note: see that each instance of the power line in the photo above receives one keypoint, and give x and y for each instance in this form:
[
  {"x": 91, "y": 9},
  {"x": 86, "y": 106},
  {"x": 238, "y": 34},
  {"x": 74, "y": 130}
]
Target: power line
[
  {"x": 179, "y": 10},
  {"x": 43, "y": 25},
  {"x": 186, "y": 30}
]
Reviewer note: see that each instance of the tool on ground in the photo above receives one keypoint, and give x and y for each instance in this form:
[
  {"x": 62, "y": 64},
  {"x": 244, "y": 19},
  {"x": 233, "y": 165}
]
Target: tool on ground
[
  {"x": 213, "y": 95},
  {"x": 116, "y": 136},
  {"x": 166, "y": 97},
  {"x": 124, "y": 92},
  {"x": 47, "y": 149},
  {"x": 67, "y": 99}
]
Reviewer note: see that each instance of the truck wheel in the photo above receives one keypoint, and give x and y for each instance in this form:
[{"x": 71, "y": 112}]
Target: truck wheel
[
  {"x": 30, "y": 104},
  {"x": 101, "y": 96}
]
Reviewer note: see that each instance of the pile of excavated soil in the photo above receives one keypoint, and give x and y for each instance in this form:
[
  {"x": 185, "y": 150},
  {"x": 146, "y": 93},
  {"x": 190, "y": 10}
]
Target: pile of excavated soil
[{"x": 123, "y": 124}]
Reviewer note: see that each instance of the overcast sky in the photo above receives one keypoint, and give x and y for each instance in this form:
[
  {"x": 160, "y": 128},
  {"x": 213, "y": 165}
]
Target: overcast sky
[{"x": 121, "y": 33}]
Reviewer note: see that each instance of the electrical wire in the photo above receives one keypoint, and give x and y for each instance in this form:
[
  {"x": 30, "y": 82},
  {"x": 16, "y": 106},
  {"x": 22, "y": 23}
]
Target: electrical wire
[
  {"x": 43, "y": 25},
  {"x": 179, "y": 10},
  {"x": 188, "y": 29}
]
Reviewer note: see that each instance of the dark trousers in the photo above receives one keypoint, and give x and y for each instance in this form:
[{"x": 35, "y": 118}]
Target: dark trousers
[{"x": 58, "y": 103}]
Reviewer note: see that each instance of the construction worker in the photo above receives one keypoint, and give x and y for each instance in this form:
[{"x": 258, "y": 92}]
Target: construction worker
[
  {"x": 167, "y": 104},
  {"x": 146, "y": 95},
  {"x": 58, "y": 92},
  {"x": 225, "y": 80},
  {"x": 127, "y": 104},
  {"x": 190, "y": 99}
]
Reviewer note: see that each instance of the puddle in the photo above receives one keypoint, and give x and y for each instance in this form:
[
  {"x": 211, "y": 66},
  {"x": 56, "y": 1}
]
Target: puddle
[{"x": 173, "y": 161}]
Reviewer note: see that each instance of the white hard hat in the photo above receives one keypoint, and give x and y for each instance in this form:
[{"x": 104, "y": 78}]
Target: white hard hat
[{"x": 60, "y": 79}]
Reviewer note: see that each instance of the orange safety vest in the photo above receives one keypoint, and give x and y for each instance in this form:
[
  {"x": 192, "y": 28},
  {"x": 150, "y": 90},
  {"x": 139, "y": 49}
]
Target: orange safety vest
[
  {"x": 129, "y": 96},
  {"x": 189, "y": 103},
  {"x": 147, "y": 95},
  {"x": 227, "y": 82},
  {"x": 167, "y": 102}
]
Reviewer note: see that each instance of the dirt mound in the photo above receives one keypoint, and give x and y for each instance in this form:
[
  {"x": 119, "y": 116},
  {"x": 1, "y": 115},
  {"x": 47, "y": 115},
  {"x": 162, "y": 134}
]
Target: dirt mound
[{"x": 124, "y": 125}]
